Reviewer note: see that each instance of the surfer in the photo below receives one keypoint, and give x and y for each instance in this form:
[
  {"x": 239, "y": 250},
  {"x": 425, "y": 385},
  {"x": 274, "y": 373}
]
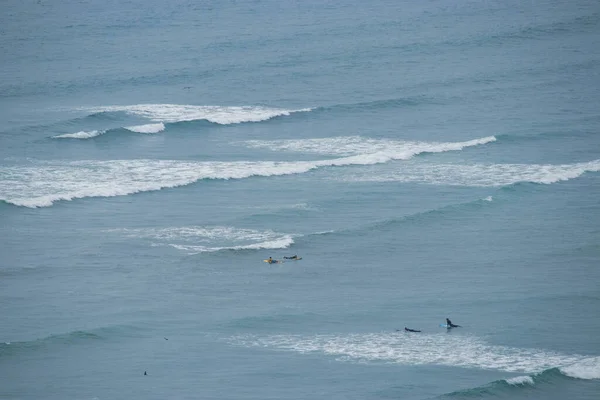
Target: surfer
[
  {"x": 410, "y": 330},
  {"x": 270, "y": 260},
  {"x": 294, "y": 257},
  {"x": 450, "y": 324}
]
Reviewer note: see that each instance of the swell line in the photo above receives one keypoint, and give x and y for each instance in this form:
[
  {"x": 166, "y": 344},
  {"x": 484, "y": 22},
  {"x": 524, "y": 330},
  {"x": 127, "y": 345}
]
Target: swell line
[{"x": 47, "y": 182}]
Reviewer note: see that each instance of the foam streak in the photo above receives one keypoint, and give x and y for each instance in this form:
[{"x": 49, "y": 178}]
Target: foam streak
[
  {"x": 482, "y": 175},
  {"x": 434, "y": 349},
  {"x": 200, "y": 239},
  {"x": 357, "y": 145}
]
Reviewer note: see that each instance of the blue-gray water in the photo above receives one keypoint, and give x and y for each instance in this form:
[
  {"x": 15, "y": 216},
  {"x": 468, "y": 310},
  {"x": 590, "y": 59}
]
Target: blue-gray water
[{"x": 426, "y": 159}]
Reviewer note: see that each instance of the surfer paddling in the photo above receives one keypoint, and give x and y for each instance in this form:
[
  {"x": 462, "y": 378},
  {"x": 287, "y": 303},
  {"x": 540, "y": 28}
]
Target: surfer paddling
[{"x": 450, "y": 324}]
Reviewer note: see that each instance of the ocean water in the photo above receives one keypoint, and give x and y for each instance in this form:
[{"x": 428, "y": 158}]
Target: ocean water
[{"x": 425, "y": 159}]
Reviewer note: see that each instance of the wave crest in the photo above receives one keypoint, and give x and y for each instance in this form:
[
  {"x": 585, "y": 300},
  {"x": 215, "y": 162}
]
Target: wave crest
[
  {"x": 357, "y": 145},
  {"x": 148, "y": 128},
  {"x": 520, "y": 380},
  {"x": 584, "y": 369},
  {"x": 171, "y": 113},
  {"x": 47, "y": 182},
  {"x": 79, "y": 135}
]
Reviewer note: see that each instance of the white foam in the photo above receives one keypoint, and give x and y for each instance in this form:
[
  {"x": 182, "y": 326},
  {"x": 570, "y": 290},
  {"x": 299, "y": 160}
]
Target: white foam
[
  {"x": 422, "y": 349},
  {"x": 199, "y": 239},
  {"x": 216, "y": 114},
  {"x": 148, "y": 128},
  {"x": 489, "y": 198},
  {"x": 79, "y": 135},
  {"x": 42, "y": 184},
  {"x": 355, "y": 145},
  {"x": 477, "y": 174},
  {"x": 282, "y": 243},
  {"x": 520, "y": 380},
  {"x": 584, "y": 369}
]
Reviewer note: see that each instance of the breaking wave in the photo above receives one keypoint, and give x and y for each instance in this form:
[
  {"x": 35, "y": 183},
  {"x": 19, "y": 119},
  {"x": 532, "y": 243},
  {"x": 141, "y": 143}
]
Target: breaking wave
[
  {"x": 172, "y": 113},
  {"x": 148, "y": 128},
  {"x": 43, "y": 184},
  {"x": 79, "y": 135},
  {"x": 588, "y": 368},
  {"x": 357, "y": 145},
  {"x": 161, "y": 114}
]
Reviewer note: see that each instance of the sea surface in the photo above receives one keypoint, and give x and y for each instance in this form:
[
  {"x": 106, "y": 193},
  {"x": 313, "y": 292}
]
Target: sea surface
[{"x": 426, "y": 159}]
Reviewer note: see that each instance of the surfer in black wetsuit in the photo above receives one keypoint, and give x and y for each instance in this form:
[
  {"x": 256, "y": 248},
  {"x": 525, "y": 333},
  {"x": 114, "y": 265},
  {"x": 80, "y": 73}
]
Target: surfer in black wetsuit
[
  {"x": 294, "y": 257},
  {"x": 450, "y": 324},
  {"x": 410, "y": 330}
]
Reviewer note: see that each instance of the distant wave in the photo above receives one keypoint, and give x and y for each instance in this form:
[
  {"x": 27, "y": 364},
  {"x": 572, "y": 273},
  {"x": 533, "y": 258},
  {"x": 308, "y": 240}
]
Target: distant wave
[
  {"x": 549, "y": 134},
  {"x": 390, "y": 103},
  {"x": 8, "y": 348},
  {"x": 69, "y": 338},
  {"x": 432, "y": 215},
  {"x": 358, "y": 145},
  {"x": 258, "y": 213},
  {"x": 201, "y": 239},
  {"x": 520, "y": 33},
  {"x": 162, "y": 114},
  {"x": 147, "y": 128},
  {"x": 428, "y": 349},
  {"x": 542, "y": 31},
  {"x": 223, "y": 115},
  {"x": 267, "y": 322}
]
